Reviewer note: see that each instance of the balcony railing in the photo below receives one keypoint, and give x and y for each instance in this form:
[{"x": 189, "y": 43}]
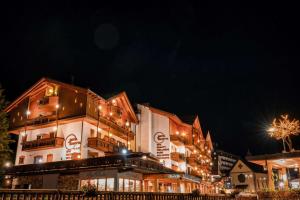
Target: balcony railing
[
  {"x": 105, "y": 146},
  {"x": 177, "y": 139},
  {"x": 178, "y": 157},
  {"x": 121, "y": 131},
  {"x": 131, "y": 161},
  {"x": 42, "y": 144},
  {"x": 193, "y": 160}
]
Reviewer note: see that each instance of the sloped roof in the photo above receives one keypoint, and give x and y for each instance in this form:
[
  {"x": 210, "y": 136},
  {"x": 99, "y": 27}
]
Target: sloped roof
[
  {"x": 253, "y": 167},
  {"x": 44, "y": 81}
]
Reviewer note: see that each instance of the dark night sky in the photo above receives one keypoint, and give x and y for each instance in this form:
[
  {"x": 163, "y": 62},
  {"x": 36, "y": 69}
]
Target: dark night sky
[{"x": 235, "y": 65}]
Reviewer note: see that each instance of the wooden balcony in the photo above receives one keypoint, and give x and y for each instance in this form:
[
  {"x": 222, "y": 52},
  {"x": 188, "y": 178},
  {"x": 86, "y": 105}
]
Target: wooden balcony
[
  {"x": 194, "y": 173},
  {"x": 178, "y": 157},
  {"x": 120, "y": 131},
  {"x": 177, "y": 139},
  {"x": 105, "y": 146},
  {"x": 193, "y": 160},
  {"x": 46, "y": 143}
]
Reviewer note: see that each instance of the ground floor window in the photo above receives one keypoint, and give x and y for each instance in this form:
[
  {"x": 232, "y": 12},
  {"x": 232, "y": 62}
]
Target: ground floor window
[
  {"x": 129, "y": 185},
  {"x": 102, "y": 184}
]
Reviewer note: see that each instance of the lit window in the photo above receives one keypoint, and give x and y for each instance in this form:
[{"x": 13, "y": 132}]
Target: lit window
[
  {"x": 137, "y": 186},
  {"x": 131, "y": 185},
  {"x": 110, "y": 184},
  {"x": 126, "y": 185},
  {"x": 101, "y": 184},
  {"x": 121, "y": 185}
]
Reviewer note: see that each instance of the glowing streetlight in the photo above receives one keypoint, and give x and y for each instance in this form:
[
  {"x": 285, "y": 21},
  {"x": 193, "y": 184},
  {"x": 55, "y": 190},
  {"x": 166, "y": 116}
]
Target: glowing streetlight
[
  {"x": 7, "y": 164},
  {"x": 124, "y": 151},
  {"x": 28, "y": 112}
]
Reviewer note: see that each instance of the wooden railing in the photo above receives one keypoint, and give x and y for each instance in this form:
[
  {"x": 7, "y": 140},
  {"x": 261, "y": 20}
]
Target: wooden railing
[
  {"x": 178, "y": 157},
  {"x": 105, "y": 146},
  {"x": 129, "y": 161},
  {"x": 177, "y": 139},
  {"x": 78, "y": 195},
  {"x": 42, "y": 144}
]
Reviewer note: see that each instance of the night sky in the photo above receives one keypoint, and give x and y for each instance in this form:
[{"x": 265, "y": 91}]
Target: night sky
[{"x": 235, "y": 65}]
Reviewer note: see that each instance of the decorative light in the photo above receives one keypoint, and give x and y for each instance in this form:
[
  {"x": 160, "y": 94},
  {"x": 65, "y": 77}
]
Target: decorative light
[
  {"x": 110, "y": 113},
  {"x": 183, "y": 133},
  {"x": 57, "y": 106},
  {"x": 124, "y": 151},
  {"x": 195, "y": 151},
  {"x": 209, "y": 151},
  {"x": 40, "y": 160},
  {"x": 7, "y": 164},
  {"x": 211, "y": 164},
  {"x": 114, "y": 101},
  {"x": 28, "y": 112},
  {"x": 177, "y": 132},
  {"x": 161, "y": 160},
  {"x": 283, "y": 128},
  {"x": 144, "y": 157},
  {"x": 54, "y": 128},
  {"x": 198, "y": 140},
  {"x": 281, "y": 184},
  {"x": 100, "y": 107},
  {"x": 110, "y": 134},
  {"x": 128, "y": 143},
  {"x": 99, "y": 129},
  {"x": 196, "y": 168},
  {"x": 79, "y": 156},
  {"x": 127, "y": 123}
]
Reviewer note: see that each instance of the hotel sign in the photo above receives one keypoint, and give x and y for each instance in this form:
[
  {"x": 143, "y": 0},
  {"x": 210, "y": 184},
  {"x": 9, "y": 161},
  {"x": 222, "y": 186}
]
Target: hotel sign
[
  {"x": 72, "y": 145},
  {"x": 162, "y": 148}
]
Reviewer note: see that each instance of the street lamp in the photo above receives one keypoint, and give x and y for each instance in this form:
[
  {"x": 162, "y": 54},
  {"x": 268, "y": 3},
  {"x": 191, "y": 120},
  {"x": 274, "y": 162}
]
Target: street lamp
[{"x": 124, "y": 151}]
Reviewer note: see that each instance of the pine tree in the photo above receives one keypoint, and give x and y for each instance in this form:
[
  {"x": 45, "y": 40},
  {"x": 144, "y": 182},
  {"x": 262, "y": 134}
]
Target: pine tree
[{"x": 5, "y": 152}]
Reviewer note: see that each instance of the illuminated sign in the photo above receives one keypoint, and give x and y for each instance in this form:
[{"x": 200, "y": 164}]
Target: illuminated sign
[
  {"x": 72, "y": 145},
  {"x": 162, "y": 150}
]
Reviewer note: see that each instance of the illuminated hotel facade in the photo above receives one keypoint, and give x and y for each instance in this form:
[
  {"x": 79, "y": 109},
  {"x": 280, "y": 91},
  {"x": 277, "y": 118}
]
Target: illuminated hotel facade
[{"x": 70, "y": 137}]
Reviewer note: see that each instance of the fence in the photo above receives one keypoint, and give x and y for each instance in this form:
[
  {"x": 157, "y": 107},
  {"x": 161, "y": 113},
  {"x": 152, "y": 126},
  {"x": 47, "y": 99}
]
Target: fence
[{"x": 77, "y": 195}]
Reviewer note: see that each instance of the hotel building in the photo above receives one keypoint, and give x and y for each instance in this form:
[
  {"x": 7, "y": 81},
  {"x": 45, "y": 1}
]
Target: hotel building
[{"x": 70, "y": 137}]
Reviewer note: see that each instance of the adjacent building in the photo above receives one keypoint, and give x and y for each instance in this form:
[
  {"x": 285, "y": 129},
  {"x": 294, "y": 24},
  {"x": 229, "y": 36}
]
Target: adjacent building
[
  {"x": 248, "y": 177},
  {"x": 70, "y": 137}
]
